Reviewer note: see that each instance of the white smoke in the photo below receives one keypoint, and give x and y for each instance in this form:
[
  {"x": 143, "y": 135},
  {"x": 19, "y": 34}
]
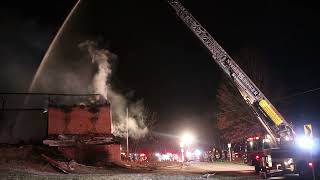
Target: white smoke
[
  {"x": 100, "y": 57},
  {"x": 119, "y": 104}
]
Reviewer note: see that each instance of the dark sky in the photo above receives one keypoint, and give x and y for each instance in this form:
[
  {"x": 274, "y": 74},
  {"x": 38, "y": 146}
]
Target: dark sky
[{"x": 163, "y": 62}]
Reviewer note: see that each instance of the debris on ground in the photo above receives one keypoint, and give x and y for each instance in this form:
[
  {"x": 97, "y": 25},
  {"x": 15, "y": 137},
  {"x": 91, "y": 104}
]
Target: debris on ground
[
  {"x": 72, "y": 140},
  {"x": 65, "y": 167},
  {"x": 43, "y": 162},
  {"x": 208, "y": 175},
  {"x": 44, "y": 159}
]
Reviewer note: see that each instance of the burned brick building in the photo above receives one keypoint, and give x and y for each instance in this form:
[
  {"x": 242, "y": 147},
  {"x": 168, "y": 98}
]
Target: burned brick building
[
  {"x": 83, "y": 132},
  {"x": 79, "y": 126}
]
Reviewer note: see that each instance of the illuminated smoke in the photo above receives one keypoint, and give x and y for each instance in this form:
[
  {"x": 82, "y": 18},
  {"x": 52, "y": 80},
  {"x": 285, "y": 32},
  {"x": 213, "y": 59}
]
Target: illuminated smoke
[
  {"x": 100, "y": 57},
  {"x": 119, "y": 104}
]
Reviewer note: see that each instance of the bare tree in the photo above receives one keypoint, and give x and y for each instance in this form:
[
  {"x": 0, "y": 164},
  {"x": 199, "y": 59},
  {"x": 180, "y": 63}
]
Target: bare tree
[
  {"x": 149, "y": 119},
  {"x": 236, "y": 121}
]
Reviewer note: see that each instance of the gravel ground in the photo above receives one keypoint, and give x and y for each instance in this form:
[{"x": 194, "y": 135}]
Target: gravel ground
[
  {"x": 12, "y": 175},
  {"x": 190, "y": 171},
  {"x": 24, "y": 162}
]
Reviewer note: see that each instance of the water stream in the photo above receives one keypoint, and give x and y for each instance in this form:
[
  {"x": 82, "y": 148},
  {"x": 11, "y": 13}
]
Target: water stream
[{"x": 52, "y": 45}]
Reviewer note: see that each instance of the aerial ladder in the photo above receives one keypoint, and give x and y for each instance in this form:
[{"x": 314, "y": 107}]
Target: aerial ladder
[
  {"x": 273, "y": 122},
  {"x": 279, "y": 130}
]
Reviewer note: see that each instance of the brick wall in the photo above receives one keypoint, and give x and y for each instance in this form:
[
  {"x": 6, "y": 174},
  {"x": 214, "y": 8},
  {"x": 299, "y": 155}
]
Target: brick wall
[
  {"x": 93, "y": 154},
  {"x": 79, "y": 120}
]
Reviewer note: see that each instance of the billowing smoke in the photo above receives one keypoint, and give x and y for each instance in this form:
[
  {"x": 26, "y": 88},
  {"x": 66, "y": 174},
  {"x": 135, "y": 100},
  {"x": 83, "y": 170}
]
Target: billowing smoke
[
  {"x": 119, "y": 103},
  {"x": 100, "y": 57}
]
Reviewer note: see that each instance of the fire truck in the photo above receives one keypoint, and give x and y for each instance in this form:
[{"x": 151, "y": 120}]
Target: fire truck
[
  {"x": 278, "y": 152},
  {"x": 254, "y": 151}
]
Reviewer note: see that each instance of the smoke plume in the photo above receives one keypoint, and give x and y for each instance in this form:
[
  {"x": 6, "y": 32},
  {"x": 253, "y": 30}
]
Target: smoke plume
[{"x": 119, "y": 103}]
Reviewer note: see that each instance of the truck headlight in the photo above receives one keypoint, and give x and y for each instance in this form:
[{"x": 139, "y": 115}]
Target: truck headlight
[{"x": 305, "y": 142}]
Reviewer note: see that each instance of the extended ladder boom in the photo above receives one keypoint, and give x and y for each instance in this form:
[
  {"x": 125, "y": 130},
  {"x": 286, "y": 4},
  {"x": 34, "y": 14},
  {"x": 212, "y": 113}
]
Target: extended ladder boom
[{"x": 279, "y": 128}]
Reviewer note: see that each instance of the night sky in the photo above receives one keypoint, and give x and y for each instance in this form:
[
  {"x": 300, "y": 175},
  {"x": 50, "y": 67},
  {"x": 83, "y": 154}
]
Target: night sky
[{"x": 164, "y": 63}]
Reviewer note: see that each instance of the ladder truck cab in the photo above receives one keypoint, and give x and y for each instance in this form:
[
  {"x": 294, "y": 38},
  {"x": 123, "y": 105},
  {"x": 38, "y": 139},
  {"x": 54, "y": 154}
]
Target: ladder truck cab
[
  {"x": 253, "y": 151},
  {"x": 295, "y": 158},
  {"x": 256, "y": 149},
  {"x": 280, "y": 153}
]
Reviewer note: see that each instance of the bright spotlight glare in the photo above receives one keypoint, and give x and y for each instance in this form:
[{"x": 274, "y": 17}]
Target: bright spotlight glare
[
  {"x": 165, "y": 156},
  {"x": 187, "y": 139},
  {"x": 287, "y": 138},
  {"x": 181, "y": 144},
  {"x": 305, "y": 142},
  {"x": 189, "y": 154},
  {"x": 197, "y": 152}
]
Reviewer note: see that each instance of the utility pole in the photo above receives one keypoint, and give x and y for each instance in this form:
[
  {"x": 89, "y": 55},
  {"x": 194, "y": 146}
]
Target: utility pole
[
  {"x": 127, "y": 132},
  {"x": 229, "y": 147}
]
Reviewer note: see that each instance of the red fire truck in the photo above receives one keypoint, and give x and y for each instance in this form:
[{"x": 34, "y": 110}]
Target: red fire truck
[{"x": 279, "y": 151}]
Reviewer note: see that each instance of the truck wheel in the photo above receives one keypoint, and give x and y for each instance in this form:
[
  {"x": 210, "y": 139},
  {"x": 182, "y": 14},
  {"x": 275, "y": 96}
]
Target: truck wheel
[
  {"x": 263, "y": 175},
  {"x": 257, "y": 168}
]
